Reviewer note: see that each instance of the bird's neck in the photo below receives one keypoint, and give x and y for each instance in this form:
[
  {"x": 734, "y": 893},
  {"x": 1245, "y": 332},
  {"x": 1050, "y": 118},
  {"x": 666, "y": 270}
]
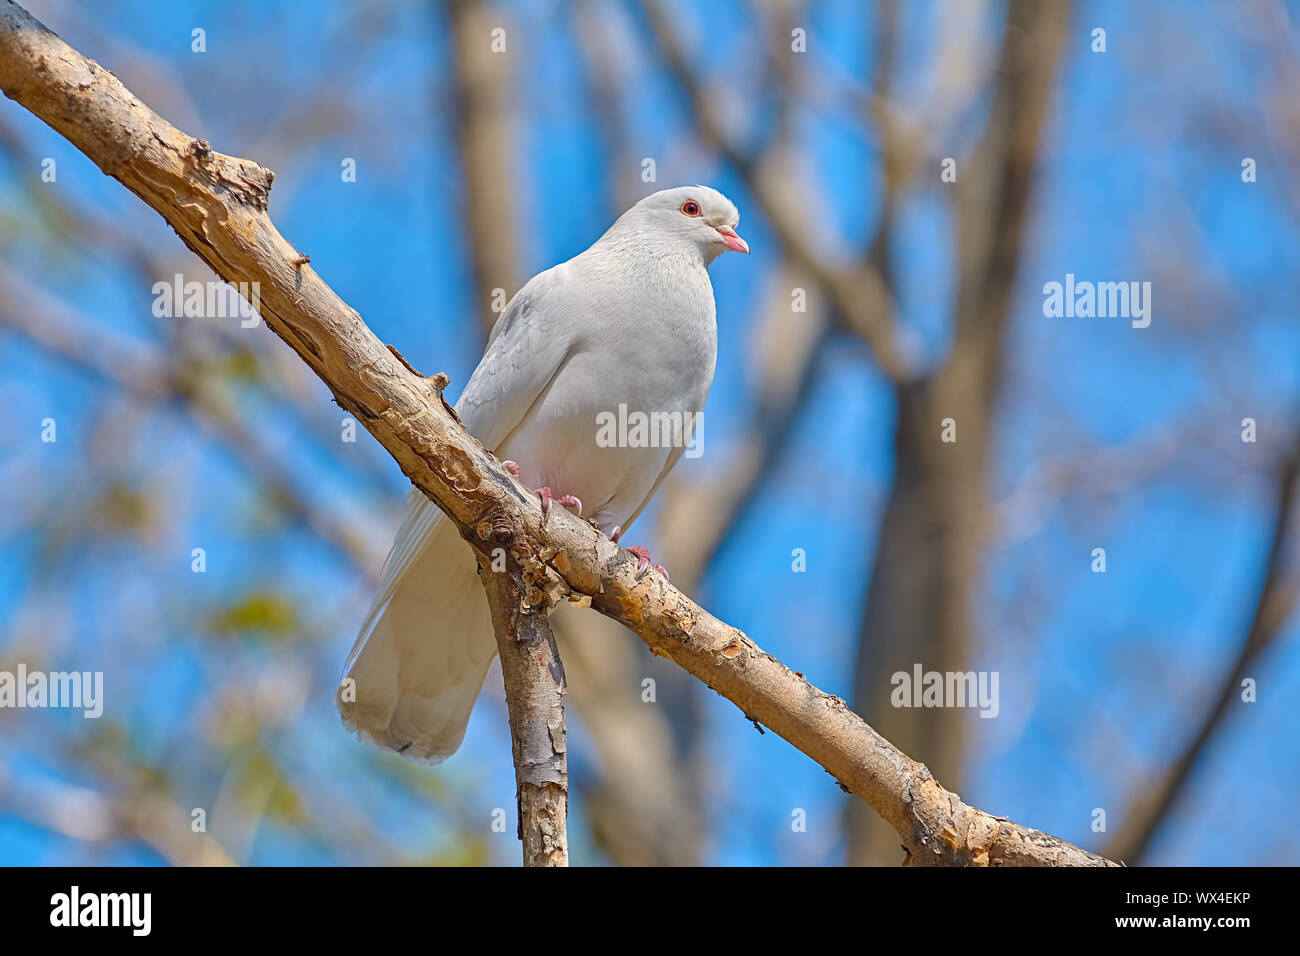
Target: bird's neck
[{"x": 622, "y": 241}]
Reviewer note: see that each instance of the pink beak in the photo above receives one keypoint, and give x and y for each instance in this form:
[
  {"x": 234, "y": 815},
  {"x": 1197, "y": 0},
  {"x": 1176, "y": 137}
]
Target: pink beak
[{"x": 733, "y": 241}]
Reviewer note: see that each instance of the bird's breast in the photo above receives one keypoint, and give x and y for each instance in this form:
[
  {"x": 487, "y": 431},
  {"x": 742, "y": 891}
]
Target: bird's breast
[{"x": 626, "y": 397}]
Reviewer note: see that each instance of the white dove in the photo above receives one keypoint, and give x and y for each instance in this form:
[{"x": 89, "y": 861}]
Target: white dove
[{"x": 630, "y": 322}]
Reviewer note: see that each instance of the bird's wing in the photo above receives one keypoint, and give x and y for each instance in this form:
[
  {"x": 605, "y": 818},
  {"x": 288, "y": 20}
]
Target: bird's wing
[
  {"x": 528, "y": 347},
  {"x": 526, "y": 350}
]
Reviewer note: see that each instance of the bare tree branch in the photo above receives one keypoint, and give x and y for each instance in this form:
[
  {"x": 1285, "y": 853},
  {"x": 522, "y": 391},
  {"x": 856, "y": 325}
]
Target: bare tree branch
[
  {"x": 484, "y": 113},
  {"x": 534, "y": 679},
  {"x": 859, "y": 294},
  {"x": 142, "y": 811},
  {"x": 918, "y": 606},
  {"x": 217, "y": 204},
  {"x": 1275, "y": 605},
  {"x": 136, "y": 369}
]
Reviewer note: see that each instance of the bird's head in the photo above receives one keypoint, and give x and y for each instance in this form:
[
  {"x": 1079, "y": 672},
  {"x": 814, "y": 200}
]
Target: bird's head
[{"x": 696, "y": 215}]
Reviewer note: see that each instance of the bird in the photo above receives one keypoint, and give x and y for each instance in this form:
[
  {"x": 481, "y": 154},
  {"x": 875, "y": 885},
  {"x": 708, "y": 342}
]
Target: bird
[{"x": 627, "y": 326}]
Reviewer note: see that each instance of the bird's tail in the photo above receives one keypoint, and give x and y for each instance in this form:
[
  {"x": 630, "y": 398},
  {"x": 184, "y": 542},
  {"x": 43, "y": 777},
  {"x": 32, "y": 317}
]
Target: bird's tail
[{"x": 426, "y": 644}]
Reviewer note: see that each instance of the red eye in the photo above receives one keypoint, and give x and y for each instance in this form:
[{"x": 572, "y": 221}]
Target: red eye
[{"x": 690, "y": 208}]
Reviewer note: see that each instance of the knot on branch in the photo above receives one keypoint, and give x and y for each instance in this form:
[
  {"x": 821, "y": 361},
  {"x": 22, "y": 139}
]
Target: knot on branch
[
  {"x": 544, "y": 575},
  {"x": 541, "y": 581},
  {"x": 437, "y": 381},
  {"x": 496, "y": 530},
  {"x": 242, "y": 180}
]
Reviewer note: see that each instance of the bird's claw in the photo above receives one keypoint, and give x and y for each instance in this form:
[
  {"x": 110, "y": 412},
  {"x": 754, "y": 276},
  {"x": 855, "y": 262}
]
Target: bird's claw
[
  {"x": 644, "y": 564},
  {"x": 565, "y": 501},
  {"x": 512, "y": 467}
]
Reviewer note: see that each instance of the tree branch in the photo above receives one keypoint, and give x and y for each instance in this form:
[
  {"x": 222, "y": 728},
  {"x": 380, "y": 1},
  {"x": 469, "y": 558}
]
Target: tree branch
[
  {"x": 139, "y": 370},
  {"x": 481, "y": 85},
  {"x": 1273, "y": 608},
  {"x": 859, "y": 294},
  {"x": 534, "y": 679},
  {"x": 217, "y": 205}
]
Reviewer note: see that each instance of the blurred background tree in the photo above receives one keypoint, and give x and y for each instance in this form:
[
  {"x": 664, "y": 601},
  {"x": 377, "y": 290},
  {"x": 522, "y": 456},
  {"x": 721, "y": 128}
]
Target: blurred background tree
[{"x": 882, "y": 298}]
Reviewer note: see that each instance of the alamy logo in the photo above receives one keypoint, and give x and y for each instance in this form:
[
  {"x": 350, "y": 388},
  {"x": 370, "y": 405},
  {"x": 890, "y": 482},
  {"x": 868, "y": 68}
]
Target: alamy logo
[
  {"x": 638, "y": 429},
  {"x": 74, "y": 908},
  {"x": 74, "y": 689},
  {"x": 207, "y": 300},
  {"x": 1102, "y": 300},
  {"x": 947, "y": 689}
]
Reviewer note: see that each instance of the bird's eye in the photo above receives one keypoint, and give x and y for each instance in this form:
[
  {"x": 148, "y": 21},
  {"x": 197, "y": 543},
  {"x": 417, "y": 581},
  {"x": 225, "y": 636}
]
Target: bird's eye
[{"x": 690, "y": 208}]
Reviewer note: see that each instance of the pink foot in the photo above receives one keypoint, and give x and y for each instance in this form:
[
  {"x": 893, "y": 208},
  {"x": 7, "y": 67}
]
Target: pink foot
[
  {"x": 572, "y": 502},
  {"x": 645, "y": 564}
]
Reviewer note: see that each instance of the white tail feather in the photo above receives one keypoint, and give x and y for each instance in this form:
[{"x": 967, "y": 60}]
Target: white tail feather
[{"x": 426, "y": 645}]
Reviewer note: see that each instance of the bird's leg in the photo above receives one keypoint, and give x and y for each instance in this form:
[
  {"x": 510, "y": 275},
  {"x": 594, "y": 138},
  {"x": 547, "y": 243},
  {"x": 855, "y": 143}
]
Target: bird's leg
[{"x": 645, "y": 564}]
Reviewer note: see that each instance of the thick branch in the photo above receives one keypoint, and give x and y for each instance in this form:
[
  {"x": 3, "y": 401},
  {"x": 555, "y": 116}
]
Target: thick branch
[
  {"x": 534, "y": 679},
  {"x": 217, "y": 205}
]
